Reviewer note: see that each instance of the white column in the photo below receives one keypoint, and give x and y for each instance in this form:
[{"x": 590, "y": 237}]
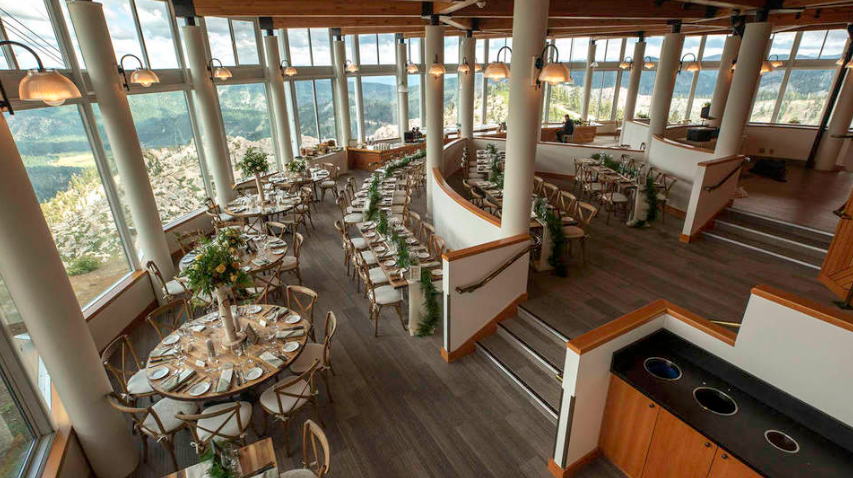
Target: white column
[
  {"x": 587, "y": 80},
  {"x": 434, "y": 88},
  {"x": 466, "y": 92},
  {"x": 214, "y": 140},
  {"x": 402, "y": 96},
  {"x": 279, "y": 105},
  {"x": 827, "y": 152},
  {"x": 341, "y": 92},
  {"x": 530, "y": 22},
  {"x": 634, "y": 82},
  {"x": 97, "y": 48},
  {"x": 724, "y": 79},
  {"x": 744, "y": 82},
  {"x": 664, "y": 83},
  {"x": 32, "y": 268}
]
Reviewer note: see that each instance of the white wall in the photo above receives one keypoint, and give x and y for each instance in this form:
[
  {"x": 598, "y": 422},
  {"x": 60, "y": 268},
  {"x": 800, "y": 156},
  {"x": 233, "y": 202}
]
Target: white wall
[
  {"x": 558, "y": 158},
  {"x": 635, "y": 133},
  {"x": 679, "y": 161},
  {"x": 779, "y": 141},
  {"x": 338, "y": 158},
  {"x": 704, "y": 205}
]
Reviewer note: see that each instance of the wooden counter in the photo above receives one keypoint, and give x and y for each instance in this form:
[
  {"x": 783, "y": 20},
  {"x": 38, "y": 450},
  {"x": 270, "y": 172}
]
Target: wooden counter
[{"x": 361, "y": 158}]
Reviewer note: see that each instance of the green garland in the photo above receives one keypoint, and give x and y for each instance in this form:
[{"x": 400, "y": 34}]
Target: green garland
[
  {"x": 554, "y": 223},
  {"x": 254, "y": 162},
  {"x": 651, "y": 193},
  {"x": 428, "y": 320},
  {"x": 382, "y": 225},
  {"x": 402, "y": 163},
  {"x": 373, "y": 198}
]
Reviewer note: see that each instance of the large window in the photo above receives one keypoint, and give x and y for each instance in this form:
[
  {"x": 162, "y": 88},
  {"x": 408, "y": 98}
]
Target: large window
[
  {"x": 805, "y": 96},
  {"x": 497, "y": 101},
  {"x": 387, "y": 50},
  {"x": 154, "y": 21},
  {"x": 219, "y": 37},
  {"x": 704, "y": 91},
  {"x": 414, "y": 101},
  {"x": 680, "y": 96},
  {"x": 28, "y": 23},
  {"x": 353, "y": 114},
  {"x": 451, "y": 100},
  {"x": 18, "y": 438},
  {"x": 121, "y": 26},
  {"x": 246, "y": 119},
  {"x": 566, "y": 99},
  {"x": 451, "y": 50},
  {"x": 310, "y": 46},
  {"x": 245, "y": 41},
  {"x": 321, "y": 51},
  {"x": 307, "y": 113},
  {"x": 170, "y": 154},
  {"x": 782, "y": 44},
  {"x": 644, "y": 93},
  {"x": 601, "y": 95},
  {"x": 478, "y": 98},
  {"x": 62, "y": 170},
  {"x": 300, "y": 48},
  {"x": 414, "y": 49},
  {"x": 367, "y": 52},
  {"x": 380, "y": 106},
  {"x": 765, "y": 98}
]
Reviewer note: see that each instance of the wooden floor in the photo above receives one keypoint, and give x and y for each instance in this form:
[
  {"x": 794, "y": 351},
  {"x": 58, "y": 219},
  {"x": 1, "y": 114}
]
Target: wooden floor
[
  {"x": 808, "y": 197},
  {"x": 399, "y": 409}
]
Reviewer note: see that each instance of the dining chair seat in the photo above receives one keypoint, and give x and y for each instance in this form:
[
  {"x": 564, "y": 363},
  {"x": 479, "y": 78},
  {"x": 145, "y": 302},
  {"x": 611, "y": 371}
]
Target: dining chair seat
[
  {"x": 399, "y": 200},
  {"x": 353, "y": 218},
  {"x": 166, "y": 410},
  {"x": 369, "y": 258},
  {"x": 270, "y": 401},
  {"x": 359, "y": 243},
  {"x": 400, "y": 194},
  {"x": 288, "y": 262},
  {"x": 615, "y": 197},
  {"x": 573, "y": 232},
  {"x": 387, "y": 295},
  {"x": 139, "y": 384},
  {"x": 300, "y": 473},
  {"x": 311, "y": 352},
  {"x": 328, "y": 184},
  {"x": 592, "y": 186},
  {"x": 661, "y": 197},
  {"x": 175, "y": 288},
  {"x": 377, "y": 276},
  {"x": 231, "y": 428}
]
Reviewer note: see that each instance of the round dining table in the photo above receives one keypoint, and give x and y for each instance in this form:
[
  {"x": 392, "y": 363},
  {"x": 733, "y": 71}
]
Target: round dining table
[
  {"x": 260, "y": 258},
  {"x": 180, "y": 367},
  {"x": 311, "y": 178},
  {"x": 248, "y": 207}
]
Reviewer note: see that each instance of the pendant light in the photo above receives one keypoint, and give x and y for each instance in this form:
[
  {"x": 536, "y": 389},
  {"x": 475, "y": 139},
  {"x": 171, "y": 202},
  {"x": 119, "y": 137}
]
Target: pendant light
[
  {"x": 286, "y": 70},
  {"x": 626, "y": 63},
  {"x": 40, "y": 84},
  {"x": 350, "y": 67},
  {"x": 648, "y": 63},
  {"x": 552, "y": 73},
  {"x": 219, "y": 72},
  {"x": 411, "y": 67},
  {"x": 498, "y": 70},
  {"x": 437, "y": 69},
  {"x": 140, "y": 76}
]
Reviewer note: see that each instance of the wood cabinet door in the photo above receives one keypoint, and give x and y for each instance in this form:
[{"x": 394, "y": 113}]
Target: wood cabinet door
[
  {"x": 678, "y": 451},
  {"x": 626, "y": 431},
  {"x": 836, "y": 273},
  {"x": 727, "y": 466}
]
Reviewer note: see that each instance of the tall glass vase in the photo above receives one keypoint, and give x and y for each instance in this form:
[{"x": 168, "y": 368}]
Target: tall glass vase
[
  {"x": 260, "y": 186},
  {"x": 225, "y": 314}
]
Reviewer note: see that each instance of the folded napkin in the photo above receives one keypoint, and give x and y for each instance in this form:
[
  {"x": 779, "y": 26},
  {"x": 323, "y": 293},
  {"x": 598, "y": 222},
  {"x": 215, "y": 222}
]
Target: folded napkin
[
  {"x": 178, "y": 379},
  {"x": 292, "y": 333},
  {"x": 431, "y": 264},
  {"x": 197, "y": 328},
  {"x": 260, "y": 261},
  {"x": 225, "y": 380},
  {"x": 271, "y": 359},
  {"x": 161, "y": 352},
  {"x": 200, "y": 470}
]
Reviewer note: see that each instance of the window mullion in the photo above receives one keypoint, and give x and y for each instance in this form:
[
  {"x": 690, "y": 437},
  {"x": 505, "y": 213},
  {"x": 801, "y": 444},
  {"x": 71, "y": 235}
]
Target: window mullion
[
  {"x": 23, "y": 391},
  {"x": 310, "y": 47},
  {"x": 233, "y": 42},
  {"x": 7, "y": 49},
  {"x": 316, "y": 110},
  {"x": 138, "y": 27}
]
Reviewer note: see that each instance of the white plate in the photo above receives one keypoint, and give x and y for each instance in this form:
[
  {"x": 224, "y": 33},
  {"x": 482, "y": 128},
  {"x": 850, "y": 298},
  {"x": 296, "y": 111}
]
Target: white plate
[
  {"x": 278, "y": 251},
  {"x": 199, "y": 389},
  {"x": 172, "y": 339},
  {"x": 292, "y": 319},
  {"x": 158, "y": 373},
  {"x": 379, "y": 249},
  {"x": 291, "y": 346},
  {"x": 253, "y": 309},
  {"x": 411, "y": 240},
  {"x": 254, "y": 373},
  {"x": 369, "y": 234},
  {"x": 390, "y": 263},
  {"x": 423, "y": 255},
  {"x": 436, "y": 272}
]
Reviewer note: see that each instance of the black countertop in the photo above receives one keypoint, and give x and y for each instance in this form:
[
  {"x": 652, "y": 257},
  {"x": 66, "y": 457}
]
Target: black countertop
[{"x": 826, "y": 445}]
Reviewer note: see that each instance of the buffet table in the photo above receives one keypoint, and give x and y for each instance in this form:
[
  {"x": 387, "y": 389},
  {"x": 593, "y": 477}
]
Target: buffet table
[
  {"x": 362, "y": 158},
  {"x": 338, "y": 158}
]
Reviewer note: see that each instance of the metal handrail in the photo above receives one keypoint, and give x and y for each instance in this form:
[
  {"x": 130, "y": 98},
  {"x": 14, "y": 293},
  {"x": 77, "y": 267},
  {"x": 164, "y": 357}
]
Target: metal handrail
[
  {"x": 488, "y": 278},
  {"x": 735, "y": 325},
  {"x": 723, "y": 181}
]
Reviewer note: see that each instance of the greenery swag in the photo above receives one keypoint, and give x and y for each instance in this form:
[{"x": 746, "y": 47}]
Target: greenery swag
[
  {"x": 217, "y": 470},
  {"x": 402, "y": 163},
  {"x": 254, "y": 162},
  {"x": 554, "y": 223},
  {"x": 373, "y": 197},
  {"x": 428, "y": 320}
]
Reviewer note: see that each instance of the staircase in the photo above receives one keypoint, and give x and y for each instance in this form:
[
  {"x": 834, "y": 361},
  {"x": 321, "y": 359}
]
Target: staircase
[
  {"x": 791, "y": 242},
  {"x": 531, "y": 354},
  {"x": 472, "y": 168}
]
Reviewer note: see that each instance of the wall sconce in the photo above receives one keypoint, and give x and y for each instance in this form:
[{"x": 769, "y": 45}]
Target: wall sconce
[
  {"x": 39, "y": 85},
  {"x": 777, "y": 62},
  {"x": 349, "y": 67},
  {"x": 552, "y": 73},
  {"x": 691, "y": 66},
  {"x": 498, "y": 70},
  {"x": 437, "y": 69},
  {"x": 648, "y": 63},
  {"x": 477, "y": 68},
  {"x": 286, "y": 70},
  {"x": 219, "y": 72},
  {"x": 626, "y": 63},
  {"x": 766, "y": 67},
  {"x": 140, "y": 76},
  {"x": 411, "y": 67},
  {"x": 463, "y": 67}
]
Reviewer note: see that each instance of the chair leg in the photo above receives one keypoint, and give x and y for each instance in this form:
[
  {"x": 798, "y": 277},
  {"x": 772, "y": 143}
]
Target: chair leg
[
  {"x": 328, "y": 385},
  {"x": 144, "y": 447},
  {"x": 170, "y": 447},
  {"x": 583, "y": 249},
  {"x": 376, "y": 321},
  {"x": 286, "y": 424},
  {"x": 400, "y": 313}
]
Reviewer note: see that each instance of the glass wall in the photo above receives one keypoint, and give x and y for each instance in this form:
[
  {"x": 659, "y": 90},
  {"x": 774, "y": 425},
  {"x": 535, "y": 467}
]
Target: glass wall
[
  {"x": 704, "y": 91},
  {"x": 380, "y": 106},
  {"x": 387, "y": 50},
  {"x": 478, "y": 98},
  {"x": 300, "y": 46},
  {"x": 367, "y": 52},
  {"x": 353, "y": 114},
  {"x": 805, "y": 96},
  {"x": 321, "y": 53},
  {"x": 414, "y": 101},
  {"x": 765, "y": 98},
  {"x": 219, "y": 38},
  {"x": 307, "y": 114},
  {"x": 154, "y": 21},
  {"x": 246, "y": 119},
  {"x": 244, "y": 40},
  {"x": 451, "y": 100}
]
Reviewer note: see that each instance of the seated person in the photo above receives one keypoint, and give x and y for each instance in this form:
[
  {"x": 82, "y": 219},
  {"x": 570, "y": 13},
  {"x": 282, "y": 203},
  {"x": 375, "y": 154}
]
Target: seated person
[{"x": 567, "y": 131}]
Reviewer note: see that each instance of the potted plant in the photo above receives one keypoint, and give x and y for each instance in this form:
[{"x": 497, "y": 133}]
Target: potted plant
[
  {"x": 706, "y": 110},
  {"x": 254, "y": 163},
  {"x": 215, "y": 271}
]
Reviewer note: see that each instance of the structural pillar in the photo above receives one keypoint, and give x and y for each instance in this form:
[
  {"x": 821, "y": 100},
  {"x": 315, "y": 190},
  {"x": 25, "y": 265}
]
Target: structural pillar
[
  {"x": 279, "y": 105},
  {"x": 466, "y": 82},
  {"x": 724, "y": 80},
  {"x": 434, "y": 89},
  {"x": 634, "y": 81},
  {"x": 29, "y": 262},
  {"x": 402, "y": 88},
  {"x": 341, "y": 91},
  {"x": 214, "y": 141},
  {"x": 664, "y": 84},
  {"x": 745, "y": 80},
  {"x": 587, "y": 79},
  {"x": 97, "y": 49},
  {"x": 827, "y": 153},
  {"x": 530, "y": 23}
]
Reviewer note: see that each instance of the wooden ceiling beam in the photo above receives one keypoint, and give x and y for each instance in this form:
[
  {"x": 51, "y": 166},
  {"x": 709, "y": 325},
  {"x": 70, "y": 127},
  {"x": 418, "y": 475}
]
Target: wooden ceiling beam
[
  {"x": 735, "y": 4},
  {"x": 594, "y": 9},
  {"x": 338, "y": 21},
  {"x": 316, "y": 8}
]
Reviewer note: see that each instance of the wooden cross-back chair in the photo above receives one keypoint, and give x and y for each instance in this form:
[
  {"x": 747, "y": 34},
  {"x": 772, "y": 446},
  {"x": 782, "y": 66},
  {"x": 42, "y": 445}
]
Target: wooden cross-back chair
[
  {"x": 427, "y": 231},
  {"x": 123, "y": 365},
  {"x": 538, "y": 185},
  {"x": 302, "y": 300},
  {"x": 266, "y": 282},
  {"x": 314, "y": 441},
  {"x": 284, "y": 399},
  {"x": 612, "y": 198},
  {"x": 551, "y": 193},
  {"x": 222, "y": 423},
  {"x": 666, "y": 184},
  {"x": 567, "y": 206},
  {"x": 187, "y": 241},
  {"x": 291, "y": 263},
  {"x": 172, "y": 290},
  {"x": 332, "y": 182},
  {"x": 168, "y": 318},
  {"x": 322, "y": 352},
  {"x": 379, "y": 297},
  {"x": 585, "y": 214}
]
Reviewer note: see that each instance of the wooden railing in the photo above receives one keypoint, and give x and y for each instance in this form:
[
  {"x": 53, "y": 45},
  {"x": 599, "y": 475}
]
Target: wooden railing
[{"x": 714, "y": 186}]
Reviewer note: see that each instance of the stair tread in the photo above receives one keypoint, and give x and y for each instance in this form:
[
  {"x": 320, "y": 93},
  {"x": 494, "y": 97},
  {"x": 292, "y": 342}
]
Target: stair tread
[
  {"x": 770, "y": 227},
  {"x": 803, "y": 255},
  {"x": 539, "y": 340},
  {"x": 524, "y": 367}
]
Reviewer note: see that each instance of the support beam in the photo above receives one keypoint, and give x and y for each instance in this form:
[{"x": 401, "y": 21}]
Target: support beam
[
  {"x": 402, "y": 88},
  {"x": 664, "y": 84},
  {"x": 530, "y": 20},
  {"x": 339, "y": 59},
  {"x": 828, "y": 163},
  {"x": 279, "y": 106},
  {"x": 466, "y": 91},
  {"x": 634, "y": 81},
  {"x": 724, "y": 79},
  {"x": 434, "y": 88},
  {"x": 827, "y": 153},
  {"x": 587, "y": 80}
]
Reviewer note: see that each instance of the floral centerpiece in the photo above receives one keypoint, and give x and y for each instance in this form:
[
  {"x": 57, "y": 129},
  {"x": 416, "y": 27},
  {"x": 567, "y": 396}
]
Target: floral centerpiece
[
  {"x": 254, "y": 163},
  {"x": 297, "y": 166},
  {"x": 233, "y": 237},
  {"x": 216, "y": 270}
]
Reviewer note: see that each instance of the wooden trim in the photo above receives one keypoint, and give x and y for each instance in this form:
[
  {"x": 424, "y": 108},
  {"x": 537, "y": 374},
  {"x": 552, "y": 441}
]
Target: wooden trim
[
  {"x": 709, "y": 224},
  {"x": 189, "y": 217},
  {"x": 139, "y": 318},
  {"x": 439, "y": 179},
  {"x": 628, "y": 322},
  {"x": 558, "y": 472},
  {"x": 490, "y": 328},
  {"x": 114, "y": 293},
  {"x": 714, "y": 162},
  {"x": 543, "y": 174},
  {"x": 675, "y": 212},
  {"x": 451, "y": 256},
  {"x": 819, "y": 311},
  {"x": 681, "y": 145},
  {"x": 684, "y": 238},
  {"x": 781, "y": 126}
]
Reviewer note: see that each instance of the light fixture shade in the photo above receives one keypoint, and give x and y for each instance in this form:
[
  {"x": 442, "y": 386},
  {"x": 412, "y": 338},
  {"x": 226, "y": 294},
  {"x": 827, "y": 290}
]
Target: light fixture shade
[
  {"x": 437, "y": 69},
  {"x": 222, "y": 73},
  {"x": 555, "y": 73},
  {"x": 839, "y": 61},
  {"x": 349, "y": 67},
  {"x": 649, "y": 65},
  {"x": 478, "y": 67},
  {"x": 412, "y": 68},
  {"x": 776, "y": 63},
  {"x": 693, "y": 66},
  {"x": 766, "y": 67},
  {"x": 624, "y": 65},
  {"x": 48, "y": 86},
  {"x": 496, "y": 71},
  {"x": 734, "y": 65},
  {"x": 463, "y": 68},
  {"x": 290, "y": 71},
  {"x": 144, "y": 77},
  {"x": 849, "y": 64}
]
